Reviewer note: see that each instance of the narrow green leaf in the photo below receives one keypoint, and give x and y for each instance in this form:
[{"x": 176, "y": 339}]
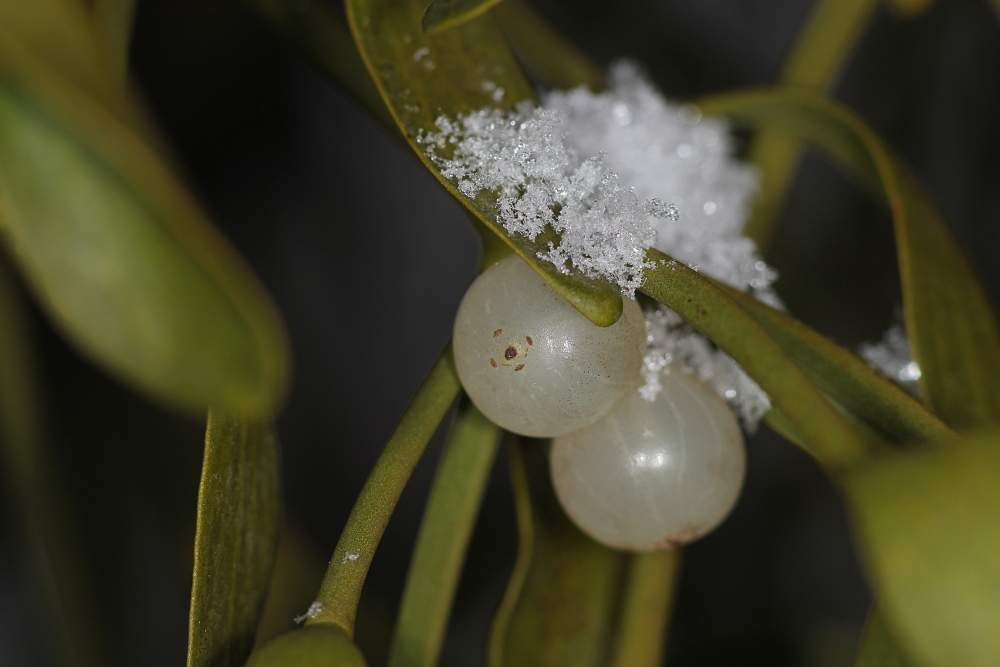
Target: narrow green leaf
[
  {"x": 443, "y": 14},
  {"x": 337, "y": 601},
  {"x": 649, "y": 591},
  {"x": 928, "y": 524},
  {"x": 950, "y": 323},
  {"x": 879, "y": 648},
  {"x": 113, "y": 24},
  {"x": 819, "y": 53},
  {"x": 547, "y": 54},
  {"x": 561, "y": 604},
  {"x": 422, "y": 76},
  {"x": 32, "y": 487},
  {"x": 312, "y": 646},
  {"x": 845, "y": 378},
  {"x": 827, "y": 435},
  {"x": 239, "y": 508},
  {"x": 115, "y": 250},
  {"x": 443, "y": 540}
]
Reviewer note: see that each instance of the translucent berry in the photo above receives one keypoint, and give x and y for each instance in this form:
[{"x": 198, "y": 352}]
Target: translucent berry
[
  {"x": 532, "y": 363},
  {"x": 653, "y": 475}
]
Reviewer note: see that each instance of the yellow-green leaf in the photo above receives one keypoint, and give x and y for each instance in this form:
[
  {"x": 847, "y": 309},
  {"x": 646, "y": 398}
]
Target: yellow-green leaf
[
  {"x": 312, "y": 646},
  {"x": 929, "y": 525},
  {"x": 822, "y": 47},
  {"x": 879, "y": 648},
  {"x": 114, "y": 248},
  {"x": 825, "y": 433},
  {"x": 649, "y": 592},
  {"x": 561, "y": 604},
  {"x": 443, "y": 540},
  {"x": 422, "y": 76},
  {"x": 444, "y": 14},
  {"x": 845, "y": 378},
  {"x": 239, "y": 507},
  {"x": 950, "y": 323},
  {"x": 910, "y": 9}
]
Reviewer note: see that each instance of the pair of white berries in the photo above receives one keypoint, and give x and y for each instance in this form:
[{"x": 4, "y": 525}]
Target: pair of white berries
[{"x": 633, "y": 474}]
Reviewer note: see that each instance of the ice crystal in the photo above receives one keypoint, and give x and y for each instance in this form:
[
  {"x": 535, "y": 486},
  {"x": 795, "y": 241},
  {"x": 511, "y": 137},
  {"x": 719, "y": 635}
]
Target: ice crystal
[
  {"x": 312, "y": 612},
  {"x": 891, "y": 356},
  {"x": 673, "y": 346},
  {"x": 616, "y": 173}
]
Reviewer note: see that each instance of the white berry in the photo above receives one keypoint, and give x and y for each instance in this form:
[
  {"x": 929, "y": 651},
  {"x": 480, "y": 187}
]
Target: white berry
[
  {"x": 532, "y": 363},
  {"x": 653, "y": 475}
]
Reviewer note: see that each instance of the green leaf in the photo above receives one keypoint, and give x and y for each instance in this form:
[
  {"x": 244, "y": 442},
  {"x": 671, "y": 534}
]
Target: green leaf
[
  {"x": 928, "y": 524},
  {"x": 910, "y": 9},
  {"x": 879, "y": 648},
  {"x": 32, "y": 483},
  {"x": 443, "y": 540},
  {"x": 312, "y": 646},
  {"x": 822, "y": 47},
  {"x": 443, "y": 14},
  {"x": 649, "y": 590},
  {"x": 113, "y": 22},
  {"x": 845, "y": 378},
  {"x": 422, "y": 76},
  {"x": 547, "y": 54},
  {"x": 561, "y": 604},
  {"x": 825, "y": 433},
  {"x": 341, "y": 588},
  {"x": 239, "y": 508},
  {"x": 114, "y": 248},
  {"x": 950, "y": 323}
]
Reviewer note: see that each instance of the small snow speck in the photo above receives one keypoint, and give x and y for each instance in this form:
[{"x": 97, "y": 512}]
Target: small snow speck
[{"x": 312, "y": 612}]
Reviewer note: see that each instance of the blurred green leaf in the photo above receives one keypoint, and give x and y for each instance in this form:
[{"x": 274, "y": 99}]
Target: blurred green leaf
[
  {"x": 825, "y": 433},
  {"x": 32, "y": 485},
  {"x": 950, "y": 323},
  {"x": 114, "y": 248},
  {"x": 443, "y": 14},
  {"x": 562, "y": 601},
  {"x": 929, "y": 524},
  {"x": 312, "y": 646},
  {"x": 239, "y": 508},
  {"x": 878, "y": 648},
  {"x": 547, "y": 54},
  {"x": 315, "y": 28},
  {"x": 443, "y": 540},
  {"x": 422, "y": 76},
  {"x": 845, "y": 378},
  {"x": 113, "y": 23},
  {"x": 822, "y": 47},
  {"x": 341, "y": 588},
  {"x": 649, "y": 591},
  {"x": 910, "y": 9}
]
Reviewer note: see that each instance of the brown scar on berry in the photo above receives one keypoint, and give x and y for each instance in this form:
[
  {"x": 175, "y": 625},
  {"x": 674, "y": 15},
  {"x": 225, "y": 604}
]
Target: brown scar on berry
[
  {"x": 493, "y": 362},
  {"x": 519, "y": 367},
  {"x": 510, "y": 352},
  {"x": 497, "y": 332},
  {"x": 528, "y": 338}
]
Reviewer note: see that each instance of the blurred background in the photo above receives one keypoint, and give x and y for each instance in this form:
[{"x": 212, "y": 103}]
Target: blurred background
[{"x": 367, "y": 258}]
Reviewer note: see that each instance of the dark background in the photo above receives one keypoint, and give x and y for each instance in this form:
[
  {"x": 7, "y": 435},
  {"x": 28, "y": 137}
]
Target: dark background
[{"x": 367, "y": 258}]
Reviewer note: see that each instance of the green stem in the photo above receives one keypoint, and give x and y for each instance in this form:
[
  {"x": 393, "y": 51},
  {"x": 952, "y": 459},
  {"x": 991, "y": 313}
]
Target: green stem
[
  {"x": 323, "y": 36},
  {"x": 646, "y": 609},
  {"x": 814, "y": 61},
  {"x": 36, "y": 493},
  {"x": 341, "y": 588},
  {"x": 113, "y": 21},
  {"x": 443, "y": 540}
]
